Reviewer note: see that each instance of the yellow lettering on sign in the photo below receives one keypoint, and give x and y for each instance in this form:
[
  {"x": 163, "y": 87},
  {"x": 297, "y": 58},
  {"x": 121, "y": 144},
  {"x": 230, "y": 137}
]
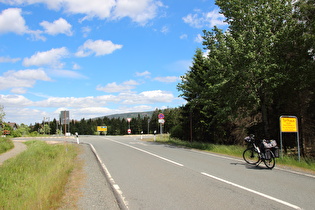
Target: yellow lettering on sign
[{"x": 288, "y": 124}]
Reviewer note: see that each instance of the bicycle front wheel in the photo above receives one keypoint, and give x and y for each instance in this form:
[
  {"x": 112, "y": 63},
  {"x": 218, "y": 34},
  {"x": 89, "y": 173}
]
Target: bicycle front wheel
[
  {"x": 270, "y": 163},
  {"x": 251, "y": 156}
]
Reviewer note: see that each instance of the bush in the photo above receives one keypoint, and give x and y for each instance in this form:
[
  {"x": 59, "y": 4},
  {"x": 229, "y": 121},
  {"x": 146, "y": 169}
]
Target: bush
[{"x": 177, "y": 132}]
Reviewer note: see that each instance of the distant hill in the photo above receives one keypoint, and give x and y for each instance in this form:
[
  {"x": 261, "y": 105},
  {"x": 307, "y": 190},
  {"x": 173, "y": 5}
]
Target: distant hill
[{"x": 128, "y": 115}]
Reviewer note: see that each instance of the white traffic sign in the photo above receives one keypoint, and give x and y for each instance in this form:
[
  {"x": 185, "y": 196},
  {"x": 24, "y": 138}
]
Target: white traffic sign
[{"x": 161, "y": 121}]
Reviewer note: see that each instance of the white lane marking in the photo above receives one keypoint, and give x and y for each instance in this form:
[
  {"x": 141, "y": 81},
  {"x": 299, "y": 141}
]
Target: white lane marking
[
  {"x": 150, "y": 153},
  {"x": 252, "y": 191}
]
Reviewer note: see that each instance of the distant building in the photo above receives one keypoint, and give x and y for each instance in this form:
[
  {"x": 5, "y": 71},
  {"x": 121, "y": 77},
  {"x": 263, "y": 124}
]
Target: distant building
[{"x": 13, "y": 125}]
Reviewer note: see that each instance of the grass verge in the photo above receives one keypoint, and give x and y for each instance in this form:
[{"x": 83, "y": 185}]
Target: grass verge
[
  {"x": 5, "y": 144},
  {"x": 36, "y": 178},
  {"x": 237, "y": 151}
]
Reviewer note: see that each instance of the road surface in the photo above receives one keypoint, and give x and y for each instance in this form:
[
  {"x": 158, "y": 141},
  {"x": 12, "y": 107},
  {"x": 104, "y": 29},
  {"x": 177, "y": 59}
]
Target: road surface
[{"x": 148, "y": 175}]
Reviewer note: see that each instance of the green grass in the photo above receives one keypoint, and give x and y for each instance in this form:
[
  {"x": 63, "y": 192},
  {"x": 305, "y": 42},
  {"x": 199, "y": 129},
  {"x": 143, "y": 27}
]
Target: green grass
[
  {"x": 36, "y": 178},
  {"x": 5, "y": 144},
  {"x": 237, "y": 151}
]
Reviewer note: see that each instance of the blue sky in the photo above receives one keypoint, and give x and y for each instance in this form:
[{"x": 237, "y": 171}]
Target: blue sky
[{"x": 96, "y": 57}]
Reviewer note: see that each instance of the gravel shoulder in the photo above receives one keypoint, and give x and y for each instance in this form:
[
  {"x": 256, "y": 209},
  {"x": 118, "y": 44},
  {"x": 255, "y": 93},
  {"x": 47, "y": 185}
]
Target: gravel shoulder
[{"x": 96, "y": 191}]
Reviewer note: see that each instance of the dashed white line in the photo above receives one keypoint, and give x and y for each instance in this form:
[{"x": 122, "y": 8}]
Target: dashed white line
[
  {"x": 150, "y": 153},
  {"x": 252, "y": 191}
]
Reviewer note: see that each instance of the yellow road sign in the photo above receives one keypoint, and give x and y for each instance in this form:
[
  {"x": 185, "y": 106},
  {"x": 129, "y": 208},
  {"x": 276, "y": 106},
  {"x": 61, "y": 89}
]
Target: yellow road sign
[
  {"x": 101, "y": 128},
  {"x": 288, "y": 124}
]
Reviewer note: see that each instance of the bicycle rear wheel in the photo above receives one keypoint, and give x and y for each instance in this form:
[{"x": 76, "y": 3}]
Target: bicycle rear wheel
[
  {"x": 251, "y": 156},
  {"x": 270, "y": 163}
]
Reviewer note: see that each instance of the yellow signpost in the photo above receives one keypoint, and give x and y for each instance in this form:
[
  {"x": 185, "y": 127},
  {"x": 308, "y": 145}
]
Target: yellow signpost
[
  {"x": 102, "y": 129},
  {"x": 289, "y": 124}
]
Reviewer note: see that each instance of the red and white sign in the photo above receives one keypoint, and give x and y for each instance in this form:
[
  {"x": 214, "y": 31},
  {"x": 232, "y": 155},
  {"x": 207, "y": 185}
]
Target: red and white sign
[
  {"x": 161, "y": 116},
  {"x": 129, "y": 131},
  {"x": 128, "y": 119}
]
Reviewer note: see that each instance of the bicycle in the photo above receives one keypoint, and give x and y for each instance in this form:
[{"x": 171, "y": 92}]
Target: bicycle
[{"x": 253, "y": 154}]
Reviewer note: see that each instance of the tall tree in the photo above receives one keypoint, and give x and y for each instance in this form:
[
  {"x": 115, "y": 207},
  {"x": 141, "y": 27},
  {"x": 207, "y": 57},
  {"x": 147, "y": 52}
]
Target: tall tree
[{"x": 255, "y": 27}]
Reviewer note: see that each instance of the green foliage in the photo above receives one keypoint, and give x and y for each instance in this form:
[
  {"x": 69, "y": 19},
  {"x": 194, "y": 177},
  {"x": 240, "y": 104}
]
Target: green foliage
[
  {"x": 260, "y": 68},
  {"x": 35, "y": 179},
  {"x": 5, "y": 144}
]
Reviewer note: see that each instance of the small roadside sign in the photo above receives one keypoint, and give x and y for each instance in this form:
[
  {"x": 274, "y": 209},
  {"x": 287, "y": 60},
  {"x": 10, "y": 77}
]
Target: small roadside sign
[
  {"x": 129, "y": 131},
  {"x": 101, "y": 128},
  {"x": 161, "y": 116},
  {"x": 161, "y": 121}
]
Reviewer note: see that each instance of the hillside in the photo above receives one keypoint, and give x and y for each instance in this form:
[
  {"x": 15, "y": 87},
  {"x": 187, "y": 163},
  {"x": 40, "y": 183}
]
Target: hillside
[{"x": 128, "y": 115}]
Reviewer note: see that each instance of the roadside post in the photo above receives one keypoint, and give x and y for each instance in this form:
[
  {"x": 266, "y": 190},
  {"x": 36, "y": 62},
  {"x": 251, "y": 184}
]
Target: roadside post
[
  {"x": 154, "y": 135},
  {"x": 141, "y": 134},
  {"x": 289, "y": 124},
  {"x": 161, "y": 121},
  {"x": 77, "y": 136}
]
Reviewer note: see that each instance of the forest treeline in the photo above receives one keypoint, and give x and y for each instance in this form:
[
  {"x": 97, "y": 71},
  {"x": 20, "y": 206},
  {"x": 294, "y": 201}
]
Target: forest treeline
[{"x": 260, "y": 68}]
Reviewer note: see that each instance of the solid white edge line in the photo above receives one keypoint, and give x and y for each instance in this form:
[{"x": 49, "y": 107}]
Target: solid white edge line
[
  {"x": 252, "y": 191},
  {"x": 111, "y": 180},
  {"x": 141, "y": 150}
]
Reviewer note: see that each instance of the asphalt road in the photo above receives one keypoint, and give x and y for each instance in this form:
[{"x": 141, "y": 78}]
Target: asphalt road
[{"x": 148, "y": 175}]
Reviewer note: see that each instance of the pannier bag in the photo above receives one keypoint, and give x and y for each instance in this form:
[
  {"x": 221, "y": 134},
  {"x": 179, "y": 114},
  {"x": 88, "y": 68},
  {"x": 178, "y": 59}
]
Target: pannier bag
[
  {"x": 275, "y": 151},
  {"x": 269, "y": 143},
  {"x": 267, "y": 154}
]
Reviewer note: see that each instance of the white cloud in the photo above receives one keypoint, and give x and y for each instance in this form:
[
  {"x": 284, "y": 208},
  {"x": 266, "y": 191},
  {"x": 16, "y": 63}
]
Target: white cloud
[
  {"x": 14, "y": 100},
  {"x": 60, "y": 26},
  {"x": 76, "y": 66},
  {"x": 165, "y": 29},
  {"x": 114, "y": 87},
  {"x": 145, "y": 74},
  {"x": 89, "y": 101},
  {"x": 180, "y": 66},
  {"x": 25, "y": 115},
  {"x": 168, "y": 79},
  {"x": 183, "y": 36},
  {"x": 90, "y": 8},
  {"x": 198, "y": 38},
  {"x": 201, "y": 19},
  {"x": 11, "y": 20},
  {"x": 99, "y": 47},
  {"x": 67, "y": 74},
  {"x": 147, "y": 97},
  {"x": 18, "y": 90},
  {"x": 9, "y": 60},
  {"x": 19, "y": 109},
  {"x": 50, "y": 58},
  {"x": 140, "y": 11},
  {"x": 86, "y": 30},
  {"x": 21, "y": 79}
]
